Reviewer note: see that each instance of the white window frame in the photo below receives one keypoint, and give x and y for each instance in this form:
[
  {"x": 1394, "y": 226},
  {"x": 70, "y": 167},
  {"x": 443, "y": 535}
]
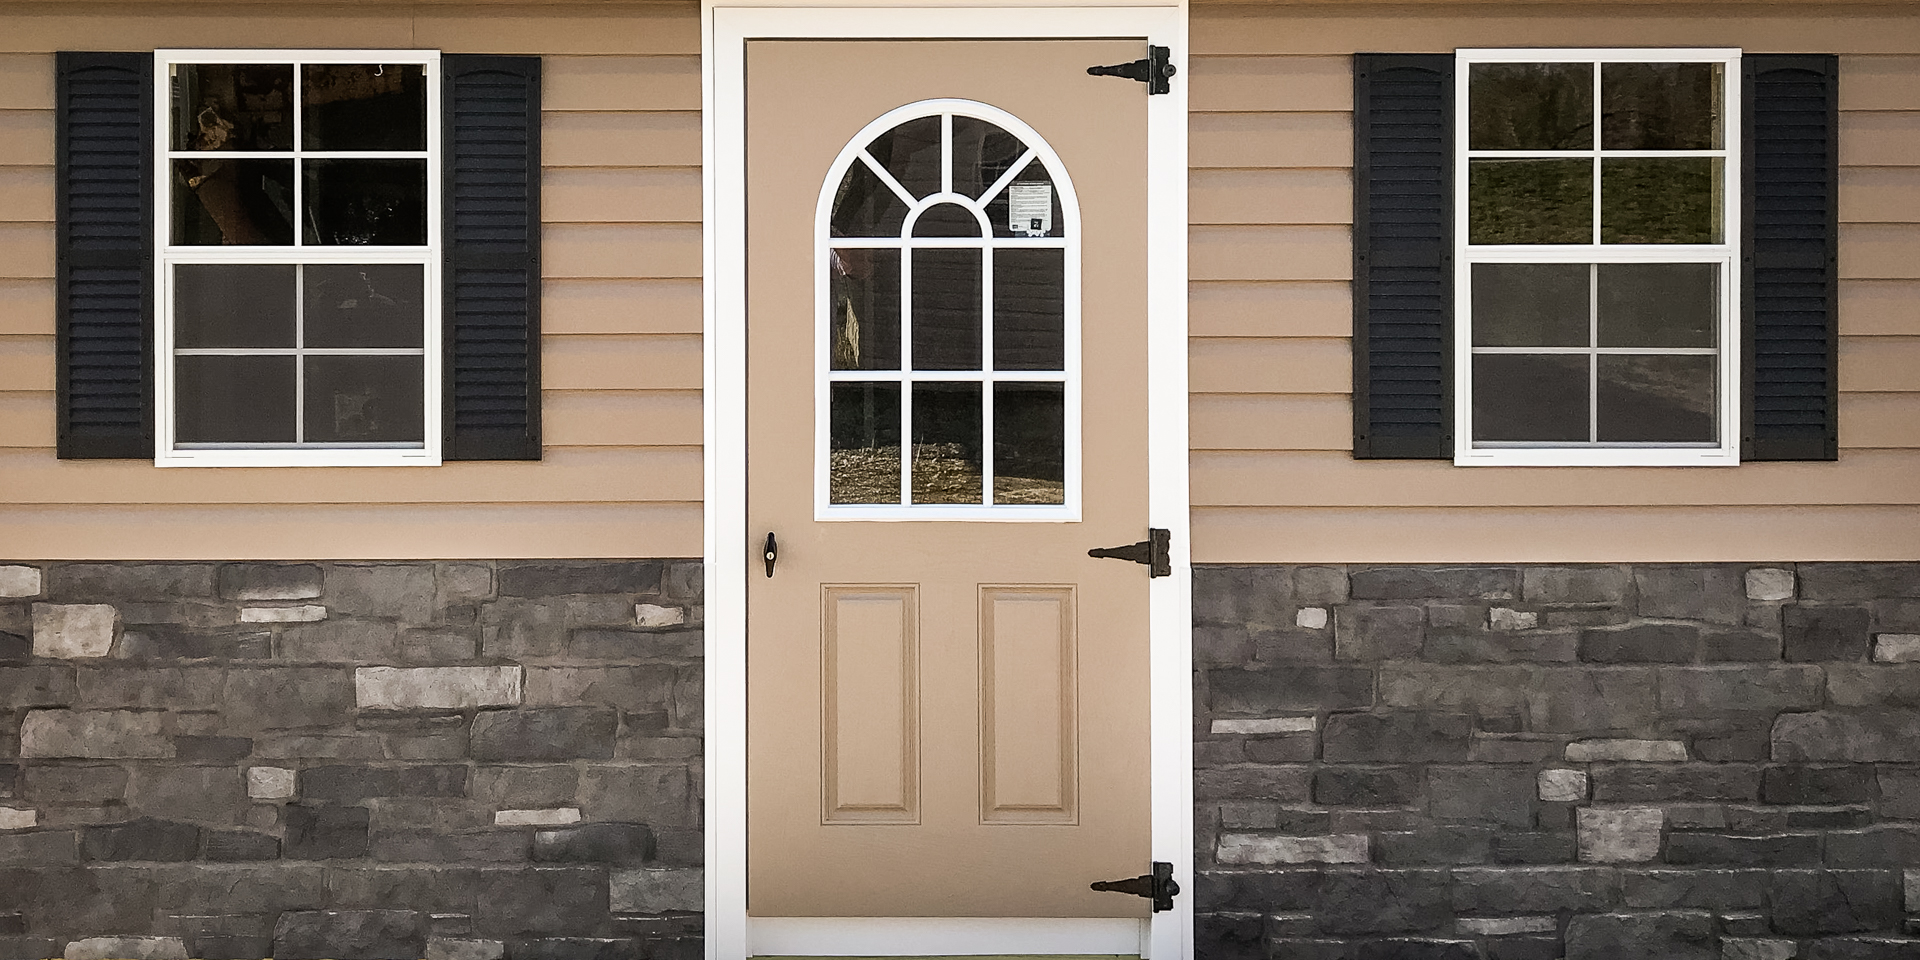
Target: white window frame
[
  {"x": 1726, "y": 452},
  {"x": 167, "y": 452},
  {"x": 1069, "y": 377}
]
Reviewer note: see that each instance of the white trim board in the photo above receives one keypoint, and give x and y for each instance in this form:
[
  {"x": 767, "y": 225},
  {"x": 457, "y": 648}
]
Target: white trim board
[
  {"x": 725, "y": 29},
  {"x": 941, "y": 936}
]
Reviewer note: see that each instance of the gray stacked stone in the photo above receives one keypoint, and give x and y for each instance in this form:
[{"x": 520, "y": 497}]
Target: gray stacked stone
[
  {"x": 353, "y": 761},
  {"x": 1608, "y": 762}
]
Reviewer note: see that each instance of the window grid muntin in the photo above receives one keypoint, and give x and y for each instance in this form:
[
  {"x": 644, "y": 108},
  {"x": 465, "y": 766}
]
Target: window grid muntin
[
  {"x": 170, "y": 452},
  {"x": 906, "y": 376},
  {"x": 1724, "y": 451}
]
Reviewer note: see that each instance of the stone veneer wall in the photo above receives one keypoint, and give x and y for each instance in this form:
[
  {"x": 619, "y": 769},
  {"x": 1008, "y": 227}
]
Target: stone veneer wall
[
  {"x": 1529, "y": 762},
  {"x": 379, "y": 761}
]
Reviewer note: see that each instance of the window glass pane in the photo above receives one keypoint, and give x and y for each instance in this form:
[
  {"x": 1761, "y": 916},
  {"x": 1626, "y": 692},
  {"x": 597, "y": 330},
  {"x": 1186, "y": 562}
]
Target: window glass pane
[
  {"x": 1659, "y": 304},
  {"x": 1531, "y": 305},
  {"x": 865, "y": 309},
  {"x": 1530, "y": 397},
  {"x": 1653, "y": 399},
  {"x": 363, "y": 106},
  {"x": 1530, "y": 201},
  {"x": 1029, "y": 443},
  {"x": 866, "y": 207},
  {"x": 366, "y": 202},
  {"x": 946, "y": 443},
  {"x": 233, "y": 305},
  {"x": 237, "y": 106},
  {"x": 1660, "y": 106},
  {"x": 911, "y": 152},
  {"x": 1530, "y": 106},
  {"x": 365, "y": 399},
  {"x": 1030, "y": 197},
  {"x": 227, "y": 399},
  {"x": 946, "y": 220},
  {"x": 864, "y": 459},
  {"x": 1660, "y": 200},
  {"x": 982, "y": 153},
  {"x": 1029, "y": 309},
  {"x": 947, "y": 293},
  {"x": 365, "y": 304},
  {"x": 233, "y": 202}
]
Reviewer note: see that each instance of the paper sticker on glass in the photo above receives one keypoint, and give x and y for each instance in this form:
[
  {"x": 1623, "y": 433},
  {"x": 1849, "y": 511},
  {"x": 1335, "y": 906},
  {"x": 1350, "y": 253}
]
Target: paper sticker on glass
[{"x": 949, "y": 318}]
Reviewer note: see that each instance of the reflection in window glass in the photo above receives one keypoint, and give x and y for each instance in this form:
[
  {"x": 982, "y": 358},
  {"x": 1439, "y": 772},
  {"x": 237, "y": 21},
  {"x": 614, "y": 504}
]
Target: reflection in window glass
[
  {"x": 234, "y": 399},
  {"x": 363, "y": 106},
  {"x": 866, "y": 206},
  {"x": 864, "y": 310},
  {"x": 364, "y": 399},
  {"x": 911, "y": 152},
  {"x": 946, "y": 443},
  {"x": 364, "y": 304},
  {"x": 1659, "y": 304},
  {"x": 1656, "y": 399},
  {"x": 1530, "y": 201},
  {"x": 1660, "y": 106},
  {"x": 1531, "y": 304},
  {"x": 232, "y": 106},
  {"x": 227, "y": 305},
  {"x": 982, "y": 154},
  {"x": 1029, "y": 309},
  {"x": 366, "y": 202},
  {"x": 863, "y": 455},
  {"x": 1029, "y": 443},
  {"x": 223, "y": 202},
  {"x": 946, "y": 309},
  {"x": 1530, "y": 398},
  {"x": 1660, "y": 200},
  {"x": 1530, "y": 106}
]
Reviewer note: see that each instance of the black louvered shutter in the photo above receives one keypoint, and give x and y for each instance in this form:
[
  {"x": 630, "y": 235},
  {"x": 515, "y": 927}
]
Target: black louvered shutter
[
  {"x": 1403, "y": 256},
  {"x": 492, "y": 257},
  {"x": 1790, "y": 285},
  {"x": 103, "y": 271}
]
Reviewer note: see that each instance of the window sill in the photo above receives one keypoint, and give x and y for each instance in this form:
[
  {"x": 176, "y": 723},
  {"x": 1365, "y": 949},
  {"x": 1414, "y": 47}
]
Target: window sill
[
  {"x": 1602, "y": 457},
  {"x": 299, "y": 458}
]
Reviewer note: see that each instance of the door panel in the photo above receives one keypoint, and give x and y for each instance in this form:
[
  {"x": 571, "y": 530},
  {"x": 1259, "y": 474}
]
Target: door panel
[{"x": 947, "y": 717}]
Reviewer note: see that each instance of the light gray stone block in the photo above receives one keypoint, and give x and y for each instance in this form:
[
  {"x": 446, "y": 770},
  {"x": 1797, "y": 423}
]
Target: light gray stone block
[
  {"x": 1769, "y": 583},
  {"x": 99, "y": 734},
  {"x": 655, "y": 615},
  {"x": 1505, "y": 926},
  {"x": 71, "y": 630},
  {"x": 1742, "y": 948},
  {"x": 1266, "y": 725},
  {"x": 18, "y": 581},
  {"x": 1262, "y": 848},
  {"x": 656, "y": 890},
  {"x": 1896, "y": 648},
  {"x": 269, "y": 783},
  {"x": 450, "y": 948},
  {"x": 128, "y": 948},
  {"x": 15, "y": 818},
  {"x": 1563, "y": 786},
  {"x": 1912, "y": 878},
  {"x": 1505, "y": 618},
  {"x": 1619, "y": 834},
  {"x": 1311, "y": 618},
  {"x": 559, "y": 817},
  {"x": 437, "y": 688},
  {"x": 1629, "y": 751},
  {"x": 304, "y": 613}
]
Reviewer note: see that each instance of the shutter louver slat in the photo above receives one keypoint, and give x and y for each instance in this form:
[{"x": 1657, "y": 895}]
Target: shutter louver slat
[
  {"x": 103, "y": 271},
  {"x": 1791, "y": 254},
  {"x": 492, "y": 273}
]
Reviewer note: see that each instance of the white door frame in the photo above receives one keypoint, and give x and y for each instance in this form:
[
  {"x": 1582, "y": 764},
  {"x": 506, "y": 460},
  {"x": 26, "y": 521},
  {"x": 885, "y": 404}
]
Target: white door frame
[{"x": 726, "y": 25}]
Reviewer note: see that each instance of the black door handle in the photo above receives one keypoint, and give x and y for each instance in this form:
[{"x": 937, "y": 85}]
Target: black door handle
[{"x": 772, "y": 553}]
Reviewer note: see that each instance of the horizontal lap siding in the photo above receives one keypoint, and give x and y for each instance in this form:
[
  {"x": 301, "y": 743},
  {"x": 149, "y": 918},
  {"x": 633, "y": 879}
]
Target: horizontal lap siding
[
  {"x": 621, "y": 357},
  {"x": 1271, "y": 316}
]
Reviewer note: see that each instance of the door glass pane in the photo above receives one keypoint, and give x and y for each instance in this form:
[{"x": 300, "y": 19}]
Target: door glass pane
[
  {"x": 1028, "y": 207},
  {"x": 863, "y": 459},
  {"x": 1659, "y": 304},
  {"x": 1530, "y": 106},
  {"x": 865, "y": 206},
  {"x": 946, "y": 443},
  {"x": 1651, "y": 399},
  {"x": 865, "y": 319},
  {"x": 365, "y": 399},
  {"x": 947, "y": 293},
  {"x": 911, "y": 152},
  {"x": 1660, "y": 106},
  {"x": 1522, "y": 397},
  {"x": 363, "y": 106},
  {"x": 946, "y": 220},
  {"x": 217, "y": 201},
  {"x": 1530, "y": 201},
  {"x": 1660, "y": 200},
  {"x": 1029, "y": 309},
  {"x": 1531, "y": 304},
  {"x": 229, "y": 399},
  {"x": 233, "y": 305},
  {"x": 381, "y": 202},
  {"x": 982, "y": 153},
  {"x": 233, "y": 106},
  {"x": 365, "y": 304},
  {"x": 1029, "y": 443}
]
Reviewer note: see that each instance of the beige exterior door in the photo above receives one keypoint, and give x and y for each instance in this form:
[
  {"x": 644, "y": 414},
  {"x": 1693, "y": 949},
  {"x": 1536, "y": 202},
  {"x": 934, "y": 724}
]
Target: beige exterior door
[{"x": 947, "y": 330}]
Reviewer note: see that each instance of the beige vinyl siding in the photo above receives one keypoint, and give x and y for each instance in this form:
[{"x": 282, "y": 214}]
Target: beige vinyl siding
[
  {"x": 621, "y": 358},
  {"x": 1271, "y": 314}
]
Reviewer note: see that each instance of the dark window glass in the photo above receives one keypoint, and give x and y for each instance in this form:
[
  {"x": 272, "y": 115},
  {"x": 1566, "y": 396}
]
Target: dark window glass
[
  {"x": 233, "y": 106},
  {"x": 1660, "y": 200},
  {"x": 864, "y": 460},
  {"x": 228, "y": 399},
  {"x": 1029, "y": 443},
  {"x": 366, "y": 202},
  {"x": 217, "y": 201},
  {"x": 365, "y": 399},
  {"x": 1654, "y": 399},
  {"x": 1659, "y": 304},
  {"x": 1530, "y": 106},
  {"x": 363, "y": 106},
  {"x": 1530, "y": 201},
  {"x": 865, "y": 287},
  {"x": 946, "y": 443},
  {"x": 1530, "y": 397},
  {"x": 1029, "y": 309},
  {"x": 1660, "y": 106},
  {"x": 946, "y": 220},
  {"x": 365, "y": 304},
  {"x": 233, "y": 305},
  {"x": 982, "y": 154},
  {"x": 866, "y": 207},
  {"x": 947, "y": 294},
  {"x": 911, "y": 152},
  {"x": 1531, "y": 305},
  {"x": 1000, "y": 209}
]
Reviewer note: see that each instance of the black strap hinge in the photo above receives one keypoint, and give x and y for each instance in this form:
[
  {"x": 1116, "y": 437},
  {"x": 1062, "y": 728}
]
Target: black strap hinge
[
  {"x": 1158, "y": 886},
  {"x": 1154, "y": 70},
  {"x": 1155, "y": 552}
]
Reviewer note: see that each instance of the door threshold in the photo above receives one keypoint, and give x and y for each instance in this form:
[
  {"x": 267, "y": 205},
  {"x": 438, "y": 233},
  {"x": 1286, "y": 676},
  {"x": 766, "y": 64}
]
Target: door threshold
[{"x": 945, "y": 937}]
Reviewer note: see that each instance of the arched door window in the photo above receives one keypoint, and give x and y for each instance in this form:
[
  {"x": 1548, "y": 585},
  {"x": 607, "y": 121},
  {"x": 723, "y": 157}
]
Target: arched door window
[{"x": 949, "y": 259}]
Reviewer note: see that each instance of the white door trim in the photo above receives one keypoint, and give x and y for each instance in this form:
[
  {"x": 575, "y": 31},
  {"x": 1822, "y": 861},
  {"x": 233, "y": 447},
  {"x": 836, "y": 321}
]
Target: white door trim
[{"x": 726, "y": 25}]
